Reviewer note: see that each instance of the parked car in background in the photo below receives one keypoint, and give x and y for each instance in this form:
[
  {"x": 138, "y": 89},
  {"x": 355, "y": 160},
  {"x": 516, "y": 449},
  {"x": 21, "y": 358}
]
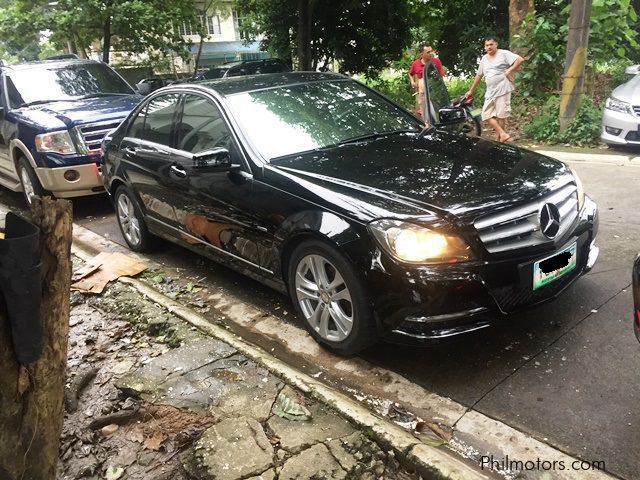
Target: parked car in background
[
  {"x": 53, "y": 117},
  {"x": 621, "y": 118},
  {"x": 245, "y": 67},
  {"x": 376, "y": 226},
  {"x": 148, "y": 85},
  {"x": 636, "y": 296}
]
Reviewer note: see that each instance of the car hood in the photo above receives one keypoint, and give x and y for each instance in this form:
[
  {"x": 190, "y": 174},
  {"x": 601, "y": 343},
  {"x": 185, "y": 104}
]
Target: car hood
[
  {"x": 439, "y": 173},
  {"x": 628, "y": 92},
  {"x": 58, "y": 115}
]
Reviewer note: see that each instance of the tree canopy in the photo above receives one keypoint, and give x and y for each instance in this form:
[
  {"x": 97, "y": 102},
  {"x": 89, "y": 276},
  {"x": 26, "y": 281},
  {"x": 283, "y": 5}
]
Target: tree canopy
[{"x": 361, "y": 36}]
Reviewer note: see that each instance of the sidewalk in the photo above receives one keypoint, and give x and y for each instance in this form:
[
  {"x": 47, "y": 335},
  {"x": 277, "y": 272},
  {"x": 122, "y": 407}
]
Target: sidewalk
[{"x": 151, "y": 396}]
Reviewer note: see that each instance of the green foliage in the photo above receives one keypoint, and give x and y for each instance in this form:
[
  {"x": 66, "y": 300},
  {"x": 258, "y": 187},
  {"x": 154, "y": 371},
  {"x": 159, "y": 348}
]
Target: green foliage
[
  {"x": 457, "y": 29},
  {"x": 362, "y": 37},
  {"x": 612, "y": 36},
  {"x": 584, "y": 129},
  {"x": 136, "y": 26}
]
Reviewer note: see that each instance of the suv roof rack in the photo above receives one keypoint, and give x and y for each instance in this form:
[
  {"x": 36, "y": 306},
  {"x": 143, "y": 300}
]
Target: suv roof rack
[{"x": 64, "y": 56}]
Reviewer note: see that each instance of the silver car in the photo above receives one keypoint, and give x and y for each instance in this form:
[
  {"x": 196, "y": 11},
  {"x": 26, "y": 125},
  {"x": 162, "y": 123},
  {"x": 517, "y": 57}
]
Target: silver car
[{"x": 621, "y": 119}]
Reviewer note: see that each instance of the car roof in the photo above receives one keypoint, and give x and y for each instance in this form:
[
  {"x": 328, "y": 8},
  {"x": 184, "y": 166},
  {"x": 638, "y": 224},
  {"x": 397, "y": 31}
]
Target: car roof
[
  {"x": 248, "y": 83},
  {"x": 45, "y": 63}
]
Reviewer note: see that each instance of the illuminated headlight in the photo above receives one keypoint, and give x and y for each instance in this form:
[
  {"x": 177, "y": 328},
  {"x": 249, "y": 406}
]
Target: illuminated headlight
[
  {"x": 579, "y": 189},
  {"x": 56, "y": 142},
  {"x": 416, "y": 244},
  {"x": 618, "y": 105}
]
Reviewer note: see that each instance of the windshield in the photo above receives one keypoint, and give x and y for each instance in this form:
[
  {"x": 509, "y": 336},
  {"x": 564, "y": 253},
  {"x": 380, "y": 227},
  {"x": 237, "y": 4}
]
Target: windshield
[
  {"x": 68, "y": 82},
  {"x": 297, "y": 118}
]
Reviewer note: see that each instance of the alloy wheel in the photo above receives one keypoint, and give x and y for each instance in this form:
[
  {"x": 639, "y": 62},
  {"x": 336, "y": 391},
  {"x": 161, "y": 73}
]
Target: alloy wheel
[
  {"x": 128, "y": 220},
  {"x": 324, "y": 298},
  {"x": 27, "y": 185}
]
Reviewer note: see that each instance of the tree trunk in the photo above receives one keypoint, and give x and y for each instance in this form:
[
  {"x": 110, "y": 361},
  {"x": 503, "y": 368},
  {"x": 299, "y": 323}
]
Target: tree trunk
[
  {"x": 518, "y": 10},
  {"x": 32, "y": 396},
  {"x": 196, "y": 65},
  {"x": 575, "y": 61},
  {"x": 304, "y": 35},
  {"x": 106, "y": 40}
]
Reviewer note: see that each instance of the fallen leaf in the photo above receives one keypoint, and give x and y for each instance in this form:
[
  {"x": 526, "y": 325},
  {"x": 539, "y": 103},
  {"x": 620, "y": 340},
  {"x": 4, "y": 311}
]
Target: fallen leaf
[
  {"x": 153, "y": 442},
  {"x": 288, "y": 408},
  {"x": 114, "y": 473}
]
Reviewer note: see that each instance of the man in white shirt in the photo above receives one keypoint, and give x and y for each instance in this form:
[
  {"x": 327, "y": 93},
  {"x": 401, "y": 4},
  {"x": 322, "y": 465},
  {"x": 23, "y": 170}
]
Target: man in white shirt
[{"x": 498, "y": 67}]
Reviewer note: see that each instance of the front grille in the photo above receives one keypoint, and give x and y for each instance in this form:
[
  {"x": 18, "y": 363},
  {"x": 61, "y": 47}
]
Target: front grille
[
  {"x": 519, "y": 227},
  {"x": 636, "y": 109},
  {"x": 93, "y": 133}
]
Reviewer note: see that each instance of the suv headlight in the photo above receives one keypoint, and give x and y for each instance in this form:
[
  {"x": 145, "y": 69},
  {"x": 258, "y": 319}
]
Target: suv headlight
[
  {"x": 56, "y": 142},
  {"x": 579, "y": 189},
  {"x": 413, "y": 243},
  {"x": 618, "y": 105}
]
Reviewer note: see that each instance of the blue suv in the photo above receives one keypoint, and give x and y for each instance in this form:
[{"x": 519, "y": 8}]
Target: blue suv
[{"x": 53, "y": 117}]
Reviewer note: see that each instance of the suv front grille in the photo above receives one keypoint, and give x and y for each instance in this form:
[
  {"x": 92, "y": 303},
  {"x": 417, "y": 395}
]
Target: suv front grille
[
  {"x": 93, "y": 133},
  {"x": 636, "y": 109},
  {"x": 519, "y": 227}
]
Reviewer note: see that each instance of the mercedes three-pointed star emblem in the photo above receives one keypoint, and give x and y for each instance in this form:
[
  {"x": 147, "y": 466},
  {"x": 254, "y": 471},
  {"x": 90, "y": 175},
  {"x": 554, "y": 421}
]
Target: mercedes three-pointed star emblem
[{"x": 549, "y": 217}]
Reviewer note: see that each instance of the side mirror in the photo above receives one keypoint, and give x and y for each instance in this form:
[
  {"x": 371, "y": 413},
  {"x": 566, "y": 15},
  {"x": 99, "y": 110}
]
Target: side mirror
[
  {"x": 633, "y": 70},
  {"x": 143, "y": 88},
  {"x": 452, "y": 115},
  {"x": 216, "y": 159}
]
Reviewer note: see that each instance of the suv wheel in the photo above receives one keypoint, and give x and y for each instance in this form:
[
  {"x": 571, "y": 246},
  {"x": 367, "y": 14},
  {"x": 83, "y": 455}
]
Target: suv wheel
[{"x": 30, "y": 184}]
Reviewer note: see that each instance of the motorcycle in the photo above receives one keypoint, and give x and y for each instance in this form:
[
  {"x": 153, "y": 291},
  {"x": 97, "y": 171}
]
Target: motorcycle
[{"x": 437, "y": 97}]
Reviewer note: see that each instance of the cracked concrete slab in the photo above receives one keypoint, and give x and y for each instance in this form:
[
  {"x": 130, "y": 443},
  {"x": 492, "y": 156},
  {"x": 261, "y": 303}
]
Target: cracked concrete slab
[
  {"x": 325, "y": 425},
  {"x": 315, "y": 463},
  {"x": 232, "y": 449},
  {"x": 268, "y": 475}
]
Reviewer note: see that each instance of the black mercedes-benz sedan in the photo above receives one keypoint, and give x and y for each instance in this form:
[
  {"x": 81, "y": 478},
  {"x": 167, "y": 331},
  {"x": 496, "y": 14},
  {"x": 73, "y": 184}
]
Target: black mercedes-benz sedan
[{"x": 375, "y": 226}]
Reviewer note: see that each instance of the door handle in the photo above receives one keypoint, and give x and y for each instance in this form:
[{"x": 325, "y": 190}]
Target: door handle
[
  {"x": 178, "y": 171},
  {"x": 130, "y": 151}
]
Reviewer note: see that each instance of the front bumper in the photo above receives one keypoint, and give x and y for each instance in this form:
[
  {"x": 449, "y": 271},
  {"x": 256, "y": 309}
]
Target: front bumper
[
  {"x": 86, "y": 180},
  {"x": 620, "y": 128},
  {"x": 423, "y": 303}
]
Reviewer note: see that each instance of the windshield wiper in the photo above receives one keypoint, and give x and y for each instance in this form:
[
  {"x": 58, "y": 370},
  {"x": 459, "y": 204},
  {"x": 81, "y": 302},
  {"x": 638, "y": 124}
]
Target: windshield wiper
[
  {"x": 370, "y": 136},
  {"x": 101, "y": 94},
  {"x": 425, "y": 130}
]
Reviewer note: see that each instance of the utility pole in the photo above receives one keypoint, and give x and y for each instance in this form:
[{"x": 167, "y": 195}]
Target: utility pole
[{"x": 575, "y": 61}]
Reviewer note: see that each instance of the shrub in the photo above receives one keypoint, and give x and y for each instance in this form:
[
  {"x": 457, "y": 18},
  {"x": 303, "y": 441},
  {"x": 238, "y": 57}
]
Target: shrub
[{"x": 584, "y": 129}]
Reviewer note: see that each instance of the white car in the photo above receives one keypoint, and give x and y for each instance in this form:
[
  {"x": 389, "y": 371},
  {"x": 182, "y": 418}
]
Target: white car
[{"x": 621, "y": 119}]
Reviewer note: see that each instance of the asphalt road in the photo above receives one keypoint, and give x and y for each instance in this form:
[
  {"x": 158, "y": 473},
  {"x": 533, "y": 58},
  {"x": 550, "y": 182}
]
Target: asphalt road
[{"x": 565, "y": 373}]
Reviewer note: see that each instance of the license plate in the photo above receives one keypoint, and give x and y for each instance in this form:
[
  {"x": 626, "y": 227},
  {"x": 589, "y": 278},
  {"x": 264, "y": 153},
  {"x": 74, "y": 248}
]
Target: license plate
[{"x": 551, "y": 268}]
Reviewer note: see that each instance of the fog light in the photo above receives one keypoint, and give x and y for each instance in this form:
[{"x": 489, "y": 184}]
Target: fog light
[
  {"x": 71, "y": 175},
  {"x": 613, "y": 131}
]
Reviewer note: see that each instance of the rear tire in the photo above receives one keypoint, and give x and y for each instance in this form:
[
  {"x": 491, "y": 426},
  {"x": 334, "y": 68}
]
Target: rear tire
[
  {"x": 331, "y": 299},
  {"x": 31, "y": 186},
  {"x": 130, "y": 220}
]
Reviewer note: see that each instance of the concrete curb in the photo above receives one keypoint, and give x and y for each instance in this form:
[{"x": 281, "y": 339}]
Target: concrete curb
[{"x": 430, "y": 462}]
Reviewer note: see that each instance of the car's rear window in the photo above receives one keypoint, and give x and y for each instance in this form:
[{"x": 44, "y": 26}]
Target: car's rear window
[{"x": 296, "y": 118}]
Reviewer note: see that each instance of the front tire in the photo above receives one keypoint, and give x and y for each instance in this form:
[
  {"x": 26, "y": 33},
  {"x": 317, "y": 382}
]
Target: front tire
[
  {"x": 130, "y": 220},
  {"x": 31, "y": 186},
  {"x": 331, "y": 299}
]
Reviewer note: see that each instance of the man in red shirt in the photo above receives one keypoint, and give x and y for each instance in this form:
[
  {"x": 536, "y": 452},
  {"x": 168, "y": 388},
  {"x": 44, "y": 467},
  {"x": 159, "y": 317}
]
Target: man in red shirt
[{"x": 415, "y": 72}]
